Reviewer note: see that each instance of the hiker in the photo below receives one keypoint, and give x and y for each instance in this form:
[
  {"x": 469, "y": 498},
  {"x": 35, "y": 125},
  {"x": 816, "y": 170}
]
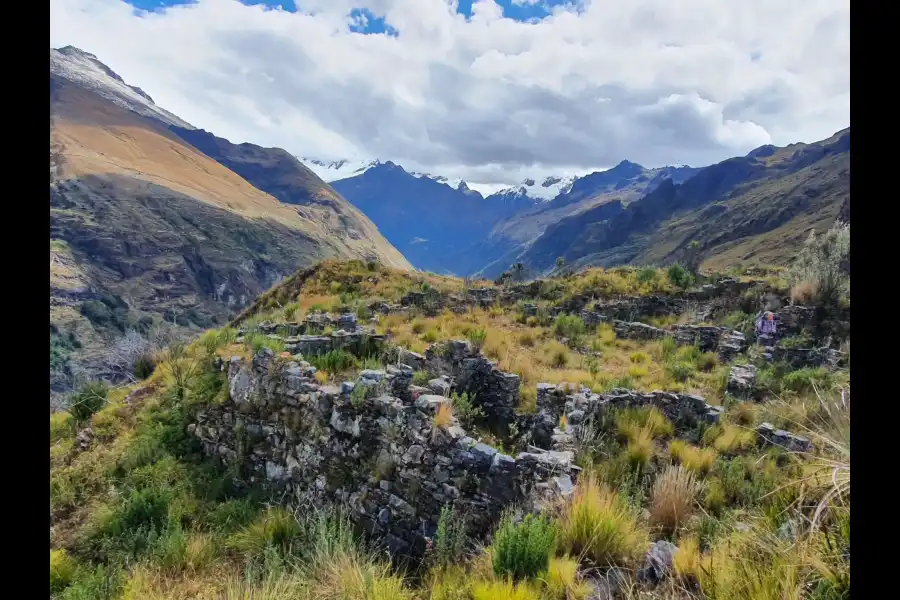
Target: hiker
[{"x": 765, "y": 323}]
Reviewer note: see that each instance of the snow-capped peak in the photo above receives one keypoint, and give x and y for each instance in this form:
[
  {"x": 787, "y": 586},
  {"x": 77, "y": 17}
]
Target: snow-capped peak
[
  {"x": 542, "y": 191},
  {"x": 83, "y": 69},
  {"x": 332, "y": 170}
]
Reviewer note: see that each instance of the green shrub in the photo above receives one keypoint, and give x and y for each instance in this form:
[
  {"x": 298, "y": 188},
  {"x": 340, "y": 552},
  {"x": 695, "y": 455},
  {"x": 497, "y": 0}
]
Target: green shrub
[
  {"x": 334, "y": 361},
  {"x": 421, "y": 378},
  {"x": 464, "y": 408},
  {"x": 62, "y": 425},
  {"x": 559, "y": 357},
  {"x": 646, "y": 275},
  {"x": 805, "y": 379},
  {"x": 276, "y": 528},
  {"x": 667, "y": 347},
  {"x": 358, "y": 395},
  {"x": 707, "y": 361},
  {"x": 680, "y": 371},
  {"x": 450, "y": 539},
  {"x": 290, "y": 311},
  {"x": 522, "y": 550},
  {"x": 98, "y": 583},
  {"x": 257, "y": 341},
  {"x": 569, "y": 326},
  {"x": 62, "y": 570},
  {"x": 88, "y": 400},
  {"x": 232, "y": 514},
  {"x": 679, "y": 276},
  {"x": 820, "y": 263}
]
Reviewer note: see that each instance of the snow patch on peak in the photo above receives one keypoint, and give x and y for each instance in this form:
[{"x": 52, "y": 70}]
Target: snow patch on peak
[
  {"x": 541, "y": 191},
  {"x": 86, "y": 71},
  {"x": 333, "y": 170}
]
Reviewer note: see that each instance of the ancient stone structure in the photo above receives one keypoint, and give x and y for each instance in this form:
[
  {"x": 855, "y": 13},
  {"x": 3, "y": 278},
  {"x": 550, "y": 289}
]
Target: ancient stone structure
[
  {"x": 705, "y": 336},
  {"x": 638, "y": 331},
  {"x": 468, "y": 371},
  {"x": 378, "y": 454},
  {"x": 554, "y": 402},
  {"x": 798, "y": 358},
  {"x": 784, "y": 439},
  {"x": 308, "y": 337}
]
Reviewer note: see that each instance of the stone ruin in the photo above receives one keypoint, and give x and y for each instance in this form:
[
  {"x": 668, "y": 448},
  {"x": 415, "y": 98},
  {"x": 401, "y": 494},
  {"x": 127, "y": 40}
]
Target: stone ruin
[
  {"x": 308, "y": 338},
  {"x": 380, "y": 454},
  {"x": 584, "y": 407}
]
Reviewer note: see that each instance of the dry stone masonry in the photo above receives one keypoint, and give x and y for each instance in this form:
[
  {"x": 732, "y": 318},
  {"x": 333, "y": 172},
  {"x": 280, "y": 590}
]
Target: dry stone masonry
[
  {"x": 378, "y": 453},
  {"x": 585, "y": 407}
]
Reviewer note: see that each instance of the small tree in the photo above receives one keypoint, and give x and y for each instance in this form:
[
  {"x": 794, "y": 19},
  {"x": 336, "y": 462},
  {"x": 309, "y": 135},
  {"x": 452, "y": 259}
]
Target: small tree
[
  {"x": 820, "y": 263},
  {"x": 560, "y": 263}
]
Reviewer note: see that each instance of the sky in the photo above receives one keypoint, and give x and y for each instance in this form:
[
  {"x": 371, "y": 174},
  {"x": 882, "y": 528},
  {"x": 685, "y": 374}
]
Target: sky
[{"x": 492, "y": 91}]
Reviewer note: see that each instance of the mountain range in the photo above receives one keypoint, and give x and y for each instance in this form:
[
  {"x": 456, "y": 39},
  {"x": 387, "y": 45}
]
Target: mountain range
[{"x": 755, "y": 208}]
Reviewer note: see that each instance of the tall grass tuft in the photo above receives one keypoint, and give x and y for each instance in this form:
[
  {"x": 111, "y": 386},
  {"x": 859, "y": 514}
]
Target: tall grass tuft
[
  {"x": 673, "y": 498},
  {"x": 596, "y": 525}
]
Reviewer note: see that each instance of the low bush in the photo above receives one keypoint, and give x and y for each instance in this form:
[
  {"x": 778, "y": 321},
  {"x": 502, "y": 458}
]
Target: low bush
[
  {"x": 88, "y": 400},
  {"x": 62, "y": 426},
  {"x": 631, "y": 421},
  {"x": 522, "y": 550},
  {"x": 276, "y": 528},
  {"x": 450, "y": 539},
  {"x": 62, "y": 570},
  {"x": 568, "y": 326},
  {"x": 477, "y": 337},
  {"x": 734, "y": 439}
]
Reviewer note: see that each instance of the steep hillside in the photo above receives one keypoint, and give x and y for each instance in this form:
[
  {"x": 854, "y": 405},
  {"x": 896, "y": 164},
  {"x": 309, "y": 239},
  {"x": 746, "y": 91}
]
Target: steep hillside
[
  {"x": 431, "y": 222},
  {"x": 756, "y": 208},
  {"x": 145, "y": 222}
]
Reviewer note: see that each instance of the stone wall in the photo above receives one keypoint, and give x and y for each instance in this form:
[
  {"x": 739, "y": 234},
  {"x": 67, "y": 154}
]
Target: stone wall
[
  {"x": 684, "y": 410},
  {"x": 495, "y": 392},
  {"x": 308, "y": 338},
  {"x": 379, "y": 455}
]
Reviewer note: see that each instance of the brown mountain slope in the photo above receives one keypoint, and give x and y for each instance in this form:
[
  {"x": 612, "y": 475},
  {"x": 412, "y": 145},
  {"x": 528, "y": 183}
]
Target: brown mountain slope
[
  {"x": 143, "y": 223},
  {"x": 752, "y": 209}
]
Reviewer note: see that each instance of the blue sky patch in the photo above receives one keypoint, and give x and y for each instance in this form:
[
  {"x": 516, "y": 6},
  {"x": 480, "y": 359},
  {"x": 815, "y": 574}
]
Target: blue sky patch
[
  {"x": 364, "y": 21},
  {"x": 524, "y": 11}
]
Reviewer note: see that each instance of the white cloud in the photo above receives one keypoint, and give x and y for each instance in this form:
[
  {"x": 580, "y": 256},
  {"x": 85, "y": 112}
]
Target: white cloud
[{"x": 488, "y": 98}]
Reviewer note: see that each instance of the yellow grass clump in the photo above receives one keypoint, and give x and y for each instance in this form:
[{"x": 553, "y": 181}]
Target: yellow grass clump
[
  {"x": 443, "y": 416},
  {"x": 596, "y": 525},
  {"x": 692, "y": 458}
]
